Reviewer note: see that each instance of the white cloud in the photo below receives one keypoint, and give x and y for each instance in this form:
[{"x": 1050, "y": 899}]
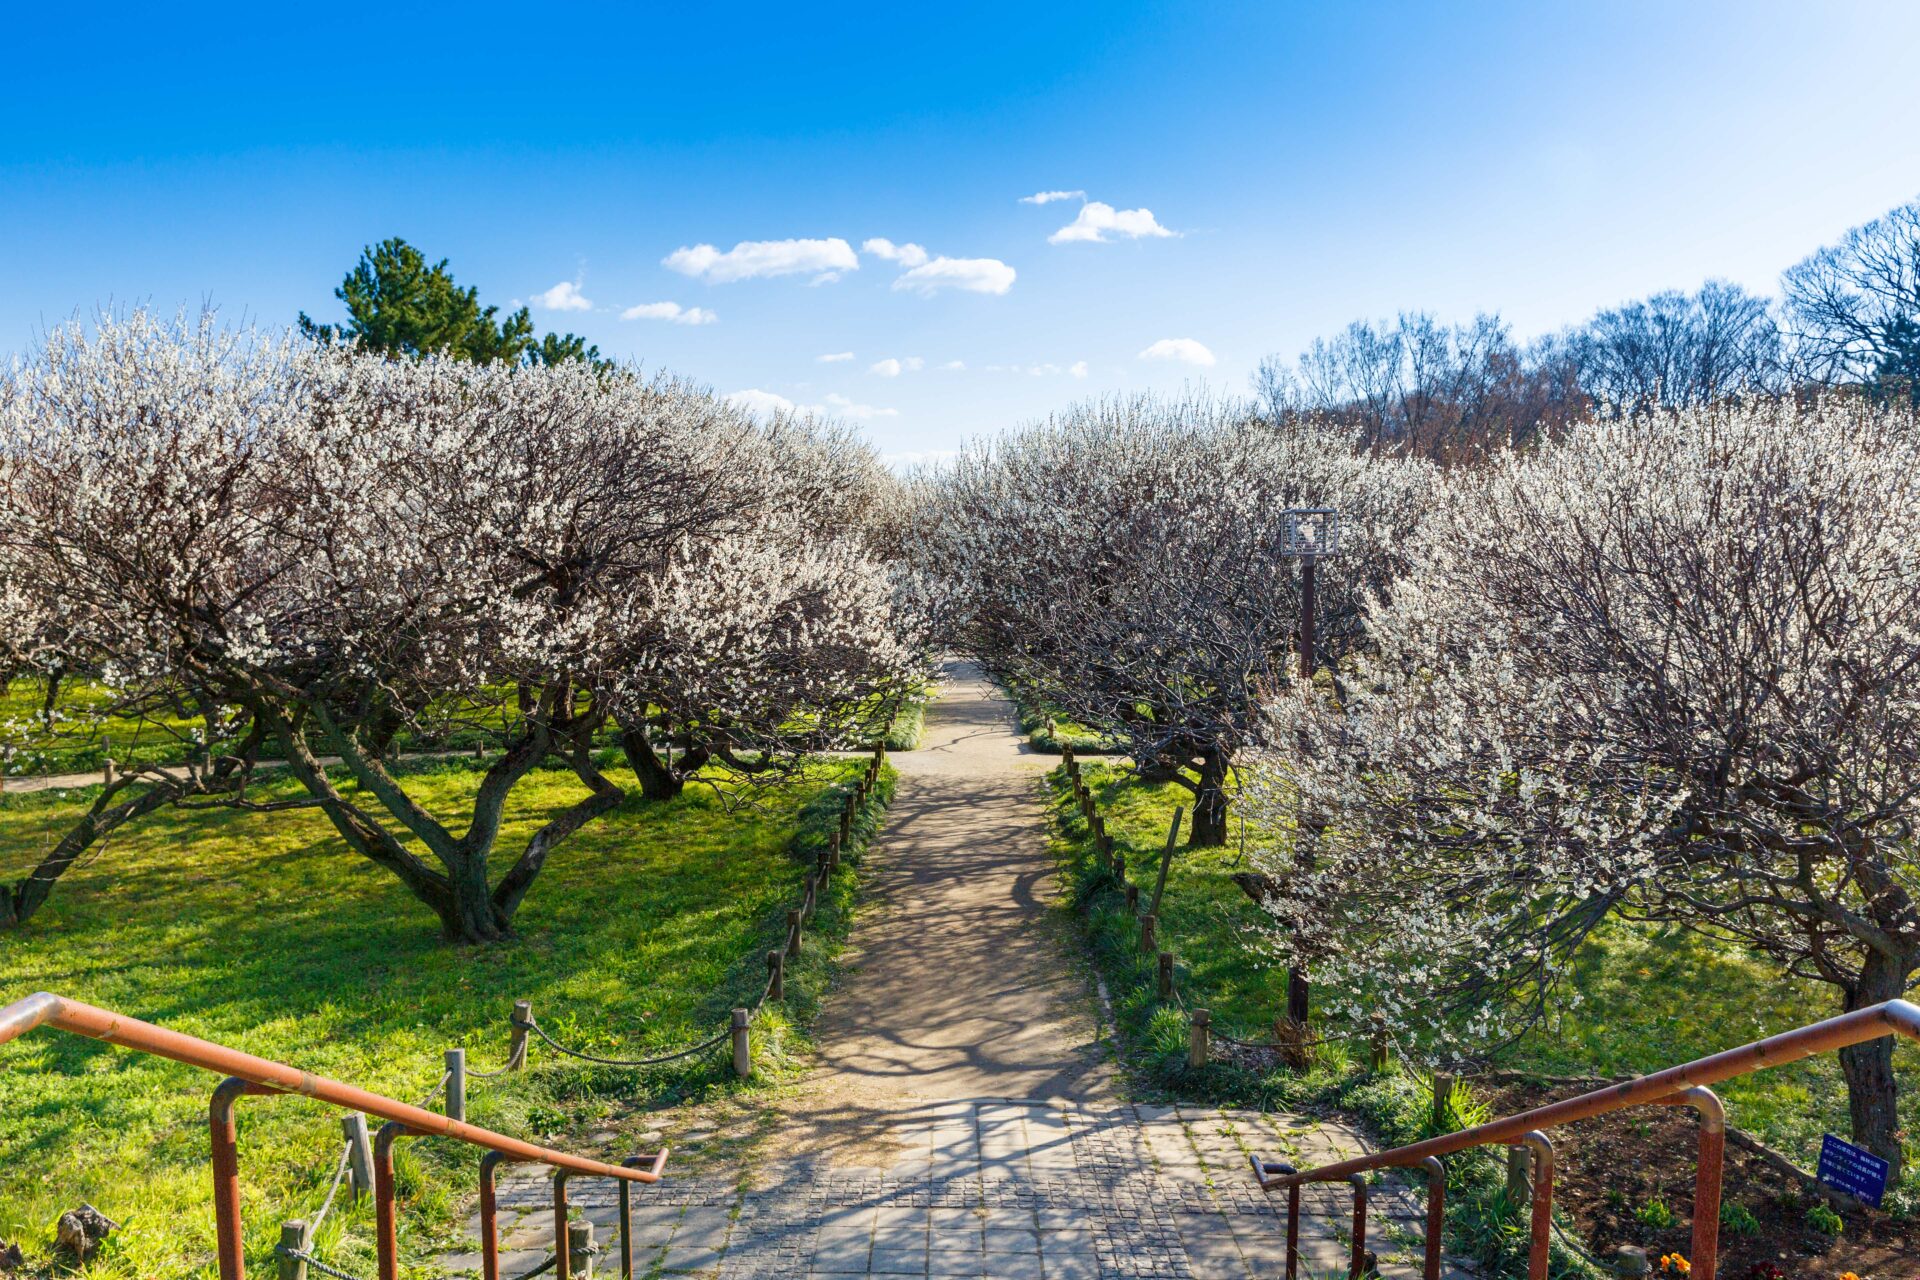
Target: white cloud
[
  {"x": 767, "y": 404},
  {"x": 761, "y": 403},
  {"x": 1183, "y": 349},
  {"x": 954, "y": 364},
  {"x": 669, "y": 311},
  {"x": 972, "y": 275},
  {"x": 1048, "y": 197},
  {"x": 1096, "y": 220},
  {"x": 893, "y": 368},
  {"x": 907, "y": 255},
  {"x": 564, "y": 296},
  {"x": 839, "y": 404},
  {"x": 1078, "y": 369},
  {"x": 752, "y": 259},
  {"x": 836, "y": 357}
]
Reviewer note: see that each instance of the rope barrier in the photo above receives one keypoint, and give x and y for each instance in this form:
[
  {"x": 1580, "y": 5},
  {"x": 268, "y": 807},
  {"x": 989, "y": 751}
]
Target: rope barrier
[
  {"x": 339, "y": 1176},
  {"x": 702, "y": 1047},
  {"x": 322, "y": 1267}
]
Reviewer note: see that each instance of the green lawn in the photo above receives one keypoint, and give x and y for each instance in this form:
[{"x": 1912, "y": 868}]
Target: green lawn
[
  {"x": 263, "y": 932},
  {"x": 1649, "y": 998}
]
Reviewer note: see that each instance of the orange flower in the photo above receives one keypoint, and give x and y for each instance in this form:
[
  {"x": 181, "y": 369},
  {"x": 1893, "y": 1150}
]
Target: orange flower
[{"x": 1678, "y": 1265}]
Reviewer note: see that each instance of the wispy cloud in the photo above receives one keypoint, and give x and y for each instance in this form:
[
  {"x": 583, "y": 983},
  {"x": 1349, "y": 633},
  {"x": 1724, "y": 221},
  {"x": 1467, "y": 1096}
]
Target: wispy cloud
[
  {"x": 970, "y": 275},
  {"x": 836, "y": 357},
  {"x": 1185, "y": 350},
  {"x": 564, "y": 296},
  {"x": 1098, "y": 223},
  {"x": 755, "y": 259},
  {"x": 1048, "y": 197},
  {"x": 672, "y": 311},
  {"x": 893, "y": 367},
  {"x": 907, "y": 255},
  {"x": 955, "y": 365},
  {"x": 770, "y": 404}
]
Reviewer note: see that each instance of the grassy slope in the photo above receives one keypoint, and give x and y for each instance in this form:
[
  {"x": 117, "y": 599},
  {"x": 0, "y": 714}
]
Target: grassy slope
[
  {"x": 263, "y": 932},
  {"x": 1649, "y": 998}
]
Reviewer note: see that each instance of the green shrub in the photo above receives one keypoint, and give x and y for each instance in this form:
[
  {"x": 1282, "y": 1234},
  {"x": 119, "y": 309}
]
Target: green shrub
[{"x": 1823, "y": 1219}]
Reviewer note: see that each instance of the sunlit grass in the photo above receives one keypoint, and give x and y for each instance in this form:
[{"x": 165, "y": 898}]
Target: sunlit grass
[{"x": 265, "y": 933}]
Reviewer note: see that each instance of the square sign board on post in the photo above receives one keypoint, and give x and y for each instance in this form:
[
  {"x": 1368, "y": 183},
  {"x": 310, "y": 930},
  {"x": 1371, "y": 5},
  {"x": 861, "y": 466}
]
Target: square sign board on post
[{"x": 1845, "y": 1167}]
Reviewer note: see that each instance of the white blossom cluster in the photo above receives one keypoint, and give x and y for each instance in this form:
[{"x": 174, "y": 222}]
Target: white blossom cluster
[
  {"x": 1667, "y": 669},
  {"x": 325, "y": 544}
]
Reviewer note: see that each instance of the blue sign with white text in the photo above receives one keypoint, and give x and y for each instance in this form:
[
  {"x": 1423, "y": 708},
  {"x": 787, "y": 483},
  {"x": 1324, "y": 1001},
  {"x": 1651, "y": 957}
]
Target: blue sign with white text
[{"x": 1845, "y": 1167}]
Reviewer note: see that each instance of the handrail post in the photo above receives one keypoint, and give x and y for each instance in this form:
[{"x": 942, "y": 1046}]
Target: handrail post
[
  {"x": 1706, "y": 1179},
  {"x": 386, "y": 1238},
  {"x": 1541, "y": 1226},
  {"x": 562, "y": 1252},
  {"x": 1357, "y": 1264},
  {"x": 224, "y": 1142},
  {"x": 490, "y": 1215},
  {"x": 1436, "y": 1214}
]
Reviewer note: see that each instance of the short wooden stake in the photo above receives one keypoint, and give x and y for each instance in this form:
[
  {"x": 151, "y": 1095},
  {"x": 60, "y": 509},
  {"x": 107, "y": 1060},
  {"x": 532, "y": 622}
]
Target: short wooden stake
[
  {"x": 1519, "y": 1183},
  {"x": 793, "y": 933},
  {"x": 517, "y": 1046},
  {"x": 742, "y": 1049},
  {"x": 106, "y": 775},
  {"x": 293, "y": 1235},
  {"x": 1166, "y": 975},
  {"x": 833, "y": 852},
  {"x": 1133, "y": 899},
  {"x": 1197, "y": 1038},
  {"x": 1119, "y": 866},
  {"x": 777, "y": 976},
  {"x": 457, "y": 1084},
  {"x": 1442, "y": 1100},
  {"x": 1149, "y": 927},
  {"x": 353, "y": 1126},
  {"x": 580, "y": 1248}
]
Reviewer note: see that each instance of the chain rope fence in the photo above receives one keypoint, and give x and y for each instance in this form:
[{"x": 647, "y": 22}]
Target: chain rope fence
[{"x": 297, "y": 1235}]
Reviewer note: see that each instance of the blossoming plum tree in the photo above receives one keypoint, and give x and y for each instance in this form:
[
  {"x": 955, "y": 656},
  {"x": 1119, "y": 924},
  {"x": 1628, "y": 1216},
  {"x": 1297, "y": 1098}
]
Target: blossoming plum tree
[
  {"x": 1124, "y": 563},
  {"x": 319, "y": 546},
  {"x": 1667, "y": 671}
]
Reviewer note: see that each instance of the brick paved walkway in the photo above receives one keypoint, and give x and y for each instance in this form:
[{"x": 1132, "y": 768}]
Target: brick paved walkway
[
  {"x": 963, "y": 1119},
  {"x": 997, "y": 1188}
]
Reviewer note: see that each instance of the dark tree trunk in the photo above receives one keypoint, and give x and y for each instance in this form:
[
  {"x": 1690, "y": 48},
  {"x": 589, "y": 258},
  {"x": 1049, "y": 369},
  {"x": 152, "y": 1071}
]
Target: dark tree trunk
[
  {"x": 659, "y": 779},
  {"x": 1872, "y": 1098},
  {"x": 19, "y": 901},
  {"x": 1209, "y": 829},
  {"x": 467, "y": 910}
]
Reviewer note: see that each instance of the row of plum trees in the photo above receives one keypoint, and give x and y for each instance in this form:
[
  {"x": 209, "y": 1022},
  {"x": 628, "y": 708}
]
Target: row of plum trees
[
  {"x": 1661, "y": 669},
  {"x": 308, "y": 550}
]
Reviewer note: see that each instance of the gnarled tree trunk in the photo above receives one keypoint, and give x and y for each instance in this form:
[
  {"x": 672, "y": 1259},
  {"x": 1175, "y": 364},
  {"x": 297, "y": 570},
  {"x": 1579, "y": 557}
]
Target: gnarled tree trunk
[{"x": 1872, "y": 1094}]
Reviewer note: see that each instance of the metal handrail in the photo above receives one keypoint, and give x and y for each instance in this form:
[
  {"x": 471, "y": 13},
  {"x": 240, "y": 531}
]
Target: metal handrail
[
  {"x": 1684, "y": 1085},
  {"x": 247, "y": 1074}
]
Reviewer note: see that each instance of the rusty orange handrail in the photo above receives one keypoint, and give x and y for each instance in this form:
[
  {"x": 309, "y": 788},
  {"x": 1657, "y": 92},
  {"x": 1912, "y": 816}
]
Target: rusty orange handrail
[
  {"x": 247, "y": 1074},
  {"x": 1684, "y": 1085}
]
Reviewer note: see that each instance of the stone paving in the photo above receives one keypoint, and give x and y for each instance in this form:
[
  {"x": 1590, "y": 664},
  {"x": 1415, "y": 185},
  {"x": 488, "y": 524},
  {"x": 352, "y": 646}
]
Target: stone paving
[
  {"x": 964, "y": 1117},
  {"x": 998, "y": 1188}
]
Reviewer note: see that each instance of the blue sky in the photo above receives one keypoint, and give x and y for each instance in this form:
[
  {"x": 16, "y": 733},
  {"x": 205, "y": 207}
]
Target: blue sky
[{"x": 1315, "y": 163}]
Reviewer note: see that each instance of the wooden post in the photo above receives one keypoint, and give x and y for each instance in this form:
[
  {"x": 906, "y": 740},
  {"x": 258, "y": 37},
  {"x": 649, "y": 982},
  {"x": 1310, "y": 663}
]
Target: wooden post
[
  {"x": 580, "y": 1248},
  {"x": 1442, "y": 1100},
  {"x": 457, "y": 1083},
  {"x": 293, "y": 1235},
  {"x": 777, "y": 968},
  {"x": 1133, "y": 899},
  {"x": 1166, "y": 861},
  {"x": 742, "y": 1048},
  {"x": 517, "y": 1046},
  {"x": 833, "y": 852},
  {"x": 1519, "y": 1185},
  {"x": 1197, "y": 1038},
  {"x": 1166, "y": 975},
  {"x": 106, "y": 774},
  {"x": 793, "y": 933},
  {"x": 1120, "y": 867},
  {"x": 1149, "y": 925},
  {"x": 353, "y": 1126}
]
